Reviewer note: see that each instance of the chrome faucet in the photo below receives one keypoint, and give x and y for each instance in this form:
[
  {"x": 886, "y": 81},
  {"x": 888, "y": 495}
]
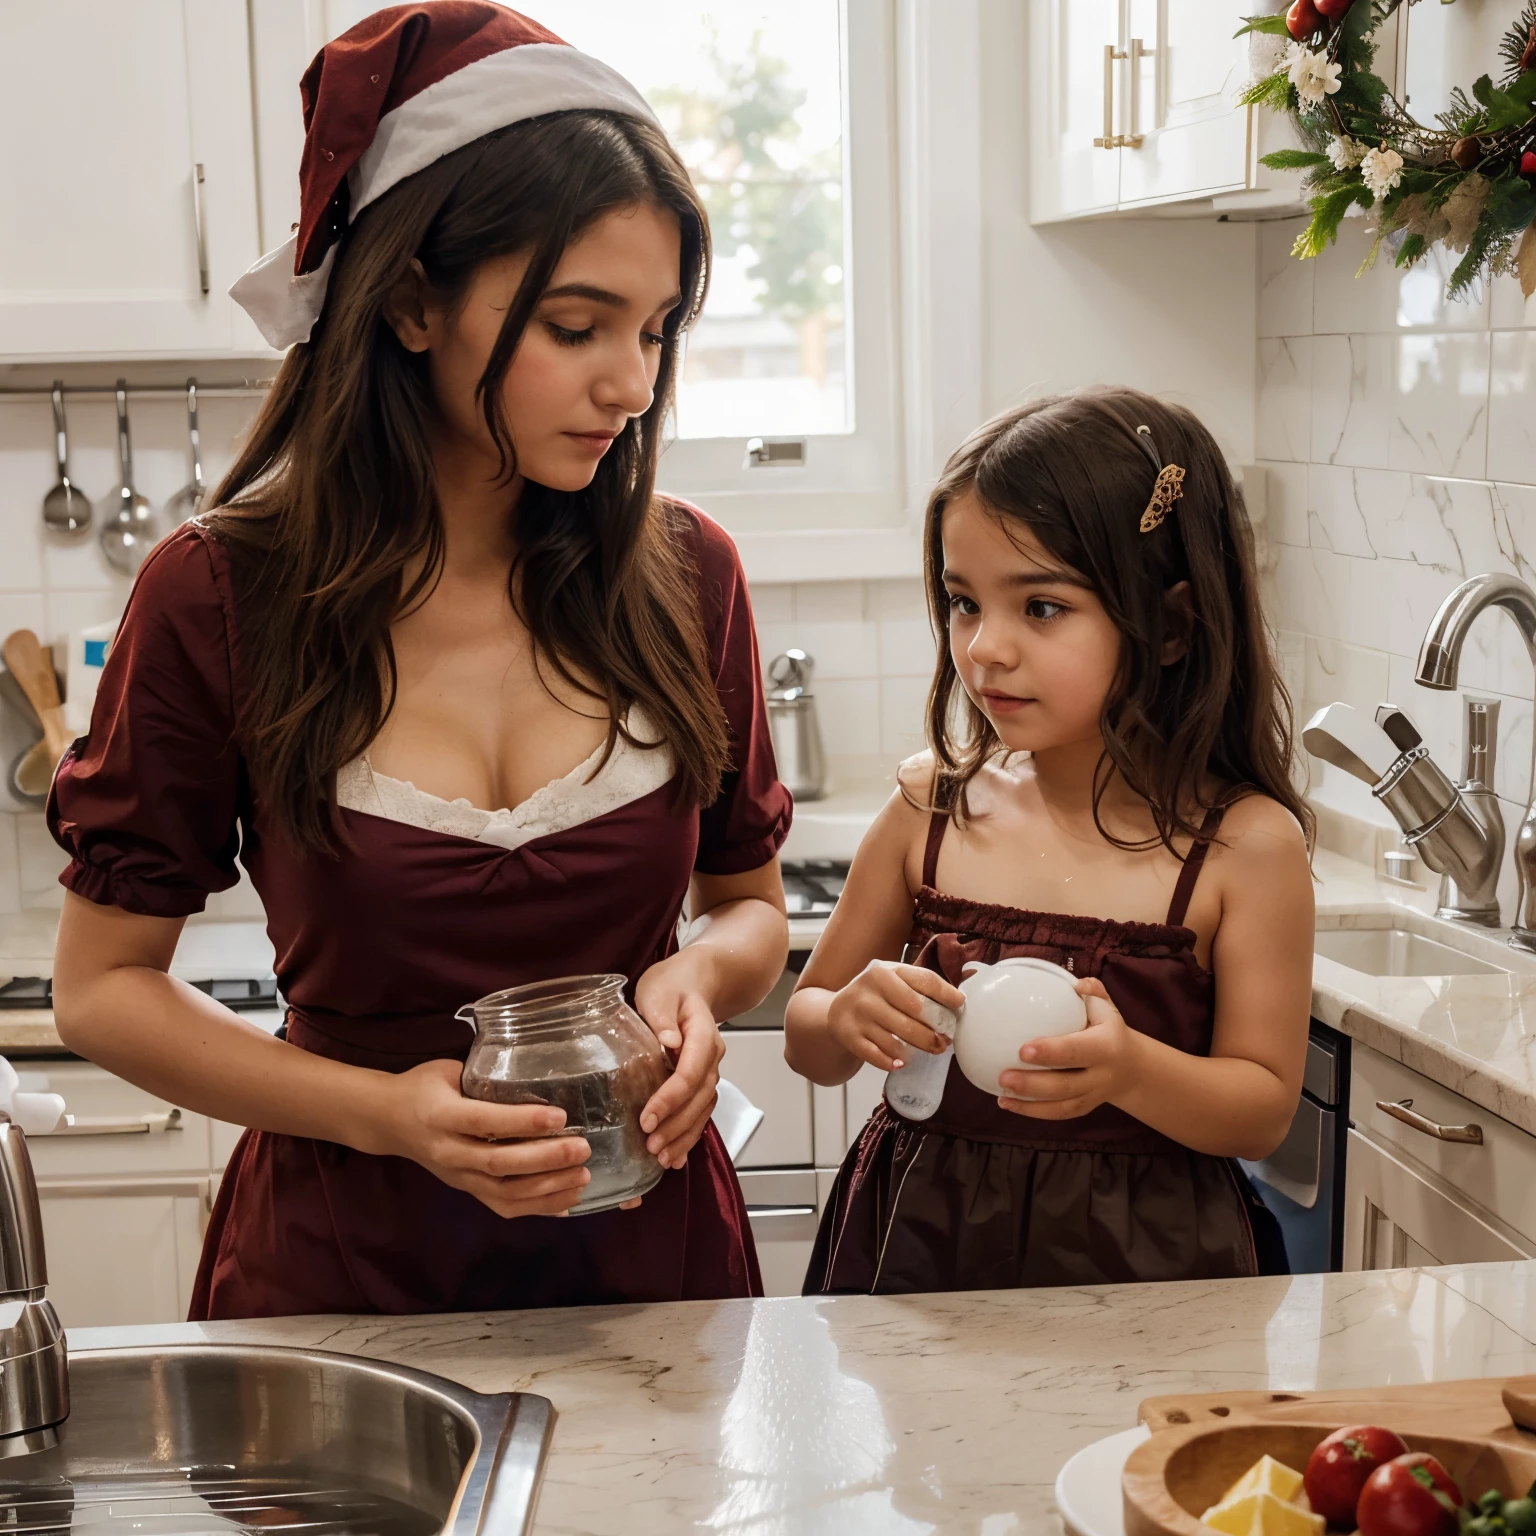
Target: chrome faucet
[
  {"x": 34, "y": 1375},
  {"x": 1457, "y": 829},
  {"x": 1439, "y": 660}
]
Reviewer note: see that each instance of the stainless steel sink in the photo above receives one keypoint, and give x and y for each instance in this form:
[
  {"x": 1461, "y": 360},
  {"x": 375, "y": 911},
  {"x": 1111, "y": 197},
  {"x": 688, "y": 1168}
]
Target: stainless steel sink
[
  {"x": 220, "y": 1438},
  {"x": 1397, "y": 952}
]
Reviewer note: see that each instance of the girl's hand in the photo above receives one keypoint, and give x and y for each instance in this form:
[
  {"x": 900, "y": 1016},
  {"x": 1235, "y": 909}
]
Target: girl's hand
[
  {"x": 1096, "y": 1064},
  {"x": 672, "y": 998},
  {"x": 878, "y": 1015},
  {"x": 505, "y": 1155}
]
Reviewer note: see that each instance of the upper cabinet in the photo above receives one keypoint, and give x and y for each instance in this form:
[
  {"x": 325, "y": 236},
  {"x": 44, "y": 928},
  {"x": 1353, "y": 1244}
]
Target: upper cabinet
[
  {"x": 128, "y": 188},
  {"x": 1134, "y": 104}
]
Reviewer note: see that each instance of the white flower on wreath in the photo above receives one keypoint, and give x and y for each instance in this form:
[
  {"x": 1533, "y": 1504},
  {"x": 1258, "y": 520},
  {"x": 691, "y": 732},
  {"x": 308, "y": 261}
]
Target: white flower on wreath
[
  {"x": 1313, "y": 74},
  {"x": 1345, "y": 153},
  {"x": 1381, "y": 170}
]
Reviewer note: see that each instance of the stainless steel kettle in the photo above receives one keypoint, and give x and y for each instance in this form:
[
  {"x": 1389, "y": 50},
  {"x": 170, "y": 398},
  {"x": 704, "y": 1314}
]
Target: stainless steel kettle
[{"x": 794, "y": 726}]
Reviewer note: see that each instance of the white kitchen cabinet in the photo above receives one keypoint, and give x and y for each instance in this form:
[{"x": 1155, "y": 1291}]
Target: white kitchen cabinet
[
  {"x": 123, "y": 1252},
  {"x": 1134, "y": 104},
  {"x": 1397, "y": 1213},
  {"x": 1414, "y": 1197},
  {"x": 129, "y": 183}
]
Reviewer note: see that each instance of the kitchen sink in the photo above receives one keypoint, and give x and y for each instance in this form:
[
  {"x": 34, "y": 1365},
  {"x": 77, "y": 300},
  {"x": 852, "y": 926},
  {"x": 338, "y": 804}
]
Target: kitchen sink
[
  {"x": 1397, "y": 952},
  {"x": 203, "y": 1439}
]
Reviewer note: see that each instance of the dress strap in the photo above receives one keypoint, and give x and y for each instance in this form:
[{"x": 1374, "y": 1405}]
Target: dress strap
[
  {"x": 1193, "y": 860},
  {"x": 938, "y": 823}
]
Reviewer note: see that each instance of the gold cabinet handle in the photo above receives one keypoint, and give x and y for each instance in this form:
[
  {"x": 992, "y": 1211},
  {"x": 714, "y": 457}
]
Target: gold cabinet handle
[
  {"x": 1403, "y": 1110},
  {"x": 1139, "y": 51},
  {"x": 1110, "y": 139}
]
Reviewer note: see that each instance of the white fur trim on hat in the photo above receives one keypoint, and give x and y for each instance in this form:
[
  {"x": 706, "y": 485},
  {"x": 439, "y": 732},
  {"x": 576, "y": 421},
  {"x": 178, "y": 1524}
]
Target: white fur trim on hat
[{"x": 508, "y": 87}]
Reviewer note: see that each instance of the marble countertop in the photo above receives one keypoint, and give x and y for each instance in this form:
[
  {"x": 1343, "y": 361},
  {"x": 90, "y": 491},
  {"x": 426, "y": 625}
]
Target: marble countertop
[{"x": 906, "y": 1416}]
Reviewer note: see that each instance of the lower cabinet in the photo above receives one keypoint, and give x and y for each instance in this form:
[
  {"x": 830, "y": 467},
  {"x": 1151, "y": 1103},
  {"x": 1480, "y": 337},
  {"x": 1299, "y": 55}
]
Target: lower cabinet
[
  {"x": 123, "y": 1253},
  {"x": 1430, "y": 1177}
]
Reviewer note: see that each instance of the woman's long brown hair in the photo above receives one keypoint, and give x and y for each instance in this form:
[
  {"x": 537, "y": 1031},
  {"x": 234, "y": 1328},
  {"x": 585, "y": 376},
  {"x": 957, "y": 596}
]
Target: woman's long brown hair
[
  {"x": 1074, "y": 471},
  {"x": 332, "y": 501}
]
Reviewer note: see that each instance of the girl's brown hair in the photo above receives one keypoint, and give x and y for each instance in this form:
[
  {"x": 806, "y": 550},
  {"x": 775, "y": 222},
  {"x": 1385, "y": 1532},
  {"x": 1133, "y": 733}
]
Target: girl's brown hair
[
  {"x": 1074, "y": 471},
  {"x": 332, "y": 501}
]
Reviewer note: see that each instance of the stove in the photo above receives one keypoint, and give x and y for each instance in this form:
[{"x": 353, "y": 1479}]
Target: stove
[
  {"x": 242, "y": 993},
  {"x": 812, "y": 886}
]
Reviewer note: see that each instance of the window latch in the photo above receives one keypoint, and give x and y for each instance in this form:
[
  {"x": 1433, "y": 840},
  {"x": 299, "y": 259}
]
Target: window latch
[{"x": 775, "y": 453}]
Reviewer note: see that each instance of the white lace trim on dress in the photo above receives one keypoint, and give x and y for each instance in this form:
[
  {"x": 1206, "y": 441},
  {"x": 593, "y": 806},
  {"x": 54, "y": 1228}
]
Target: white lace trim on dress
[{"x": 631, "y": 773}]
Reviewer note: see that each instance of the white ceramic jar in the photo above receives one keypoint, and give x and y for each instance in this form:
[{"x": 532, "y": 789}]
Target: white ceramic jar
[{"x": 1006, "y": 1006}]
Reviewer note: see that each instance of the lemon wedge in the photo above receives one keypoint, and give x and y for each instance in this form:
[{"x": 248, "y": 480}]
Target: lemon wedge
[{"x": 1261, "y": 1513}]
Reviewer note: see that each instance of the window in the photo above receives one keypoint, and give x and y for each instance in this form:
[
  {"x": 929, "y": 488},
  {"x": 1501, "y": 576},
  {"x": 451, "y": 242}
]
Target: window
[{"x": 782, "y": 114}]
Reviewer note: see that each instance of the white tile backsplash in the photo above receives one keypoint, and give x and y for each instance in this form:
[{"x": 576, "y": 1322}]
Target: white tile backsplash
[
  {"x": 1420, "y": 472},
  {"x": 1511, "y": 423}
]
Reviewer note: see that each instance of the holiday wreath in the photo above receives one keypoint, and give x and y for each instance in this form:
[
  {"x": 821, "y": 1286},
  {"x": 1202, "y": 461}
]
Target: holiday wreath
[{"x": 1467, "y": 181}]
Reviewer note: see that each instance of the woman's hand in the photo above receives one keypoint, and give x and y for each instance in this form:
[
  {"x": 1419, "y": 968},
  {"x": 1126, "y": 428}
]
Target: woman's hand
[
  {"x": 505, "y": 1155},
  {"x": 672, "y": 997},
  {"x": 1094, "y": 1066},
  {"x": 878, "y": 1015}
]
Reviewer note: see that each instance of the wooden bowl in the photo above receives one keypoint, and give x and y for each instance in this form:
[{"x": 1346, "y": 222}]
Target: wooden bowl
[{"x": 1202, "y": 1445}]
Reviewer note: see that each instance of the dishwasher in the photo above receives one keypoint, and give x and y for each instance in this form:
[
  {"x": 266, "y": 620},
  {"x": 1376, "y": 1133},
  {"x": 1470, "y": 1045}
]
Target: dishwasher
[{"x": 1302, "y": 1180}]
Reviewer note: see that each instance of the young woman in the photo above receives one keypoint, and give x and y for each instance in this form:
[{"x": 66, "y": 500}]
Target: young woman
[
  {"x": 1109, "y": 789},
  {"x": 473, "y": 705}
]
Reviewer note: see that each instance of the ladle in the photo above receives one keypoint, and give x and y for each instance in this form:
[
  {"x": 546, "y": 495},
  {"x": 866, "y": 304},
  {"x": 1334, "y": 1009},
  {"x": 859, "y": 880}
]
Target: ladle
[
  {"x": 189, "y": 498},
  {"x": 65, "y": 508},
  {"x": 128, "y": 534}
]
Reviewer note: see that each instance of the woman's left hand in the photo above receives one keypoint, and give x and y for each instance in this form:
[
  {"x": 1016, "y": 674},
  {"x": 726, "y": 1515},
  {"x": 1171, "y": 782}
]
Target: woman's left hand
[
  {"x": 1094, "y": 1066},
  {"x": 671, "y": 998}
]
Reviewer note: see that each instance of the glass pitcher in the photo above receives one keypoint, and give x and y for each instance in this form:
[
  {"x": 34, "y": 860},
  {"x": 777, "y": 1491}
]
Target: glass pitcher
[{"x": 576, "y": 1044}]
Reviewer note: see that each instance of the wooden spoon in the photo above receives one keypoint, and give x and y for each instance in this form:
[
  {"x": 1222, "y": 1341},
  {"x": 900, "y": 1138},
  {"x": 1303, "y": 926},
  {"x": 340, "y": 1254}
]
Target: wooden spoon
[{"x": 30, "y": 665}]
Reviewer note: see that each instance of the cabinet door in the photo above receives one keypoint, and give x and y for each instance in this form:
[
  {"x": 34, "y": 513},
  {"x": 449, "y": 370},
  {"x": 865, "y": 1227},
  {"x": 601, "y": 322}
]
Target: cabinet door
[
  {"x": 754, "y": 1061},
  {"x": 1077, "y": 86},
  {"x": 1398, "y": 1214},
  {"x": 1185, "y": 133},
  {"x": 121, "y": 1253},
  {"x": 112, "y": 244}
]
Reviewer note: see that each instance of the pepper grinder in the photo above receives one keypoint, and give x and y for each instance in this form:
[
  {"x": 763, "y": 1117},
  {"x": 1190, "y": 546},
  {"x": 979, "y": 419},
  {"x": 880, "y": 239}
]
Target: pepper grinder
[{"x": 794, "y": 727}]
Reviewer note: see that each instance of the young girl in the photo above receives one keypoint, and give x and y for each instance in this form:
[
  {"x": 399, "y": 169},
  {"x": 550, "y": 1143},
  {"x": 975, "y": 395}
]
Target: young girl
[{"x": 1108, "y": 788}]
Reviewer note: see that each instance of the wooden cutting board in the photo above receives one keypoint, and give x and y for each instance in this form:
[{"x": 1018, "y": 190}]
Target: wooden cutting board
[{"x": 1482, "y": 1431}]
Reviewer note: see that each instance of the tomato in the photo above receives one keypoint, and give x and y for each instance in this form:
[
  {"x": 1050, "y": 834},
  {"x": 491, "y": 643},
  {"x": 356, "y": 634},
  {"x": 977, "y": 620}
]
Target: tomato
[
  {"x": 1410, "y": 1495},
  {"x": 1333, "y": 9},
  {"x": 1338, "y": 1467},
  {"x": 1302, "y": 20}
]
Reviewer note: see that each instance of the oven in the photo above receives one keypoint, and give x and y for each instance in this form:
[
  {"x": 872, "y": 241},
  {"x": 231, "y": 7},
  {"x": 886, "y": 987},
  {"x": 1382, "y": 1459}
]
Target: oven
[{"x": 1302, "y": 1180}]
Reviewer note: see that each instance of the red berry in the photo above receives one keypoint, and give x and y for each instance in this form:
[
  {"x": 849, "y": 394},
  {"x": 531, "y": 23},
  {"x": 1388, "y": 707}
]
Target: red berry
[
  {"x": 1528, "y": 163},
  {"x": 1302, "y": 20},
  {"x": 1333, "y": 9},
  {"x": 1338, "y": 1467}
]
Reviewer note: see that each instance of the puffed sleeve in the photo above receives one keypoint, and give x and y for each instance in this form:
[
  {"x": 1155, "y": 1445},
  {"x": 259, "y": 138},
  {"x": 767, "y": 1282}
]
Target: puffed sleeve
[
  {"x": 147, "y": 803},
  {"x": 749, "y": 820}
]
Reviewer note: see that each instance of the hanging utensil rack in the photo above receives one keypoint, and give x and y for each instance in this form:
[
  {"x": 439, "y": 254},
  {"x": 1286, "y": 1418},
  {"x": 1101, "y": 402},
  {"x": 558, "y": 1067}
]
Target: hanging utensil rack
[{"x": 247, "y": 389}]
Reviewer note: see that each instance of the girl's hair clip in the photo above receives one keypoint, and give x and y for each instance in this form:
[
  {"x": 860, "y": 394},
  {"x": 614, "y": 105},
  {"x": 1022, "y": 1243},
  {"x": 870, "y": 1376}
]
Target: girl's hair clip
[{"x": 1166, "y": 490}]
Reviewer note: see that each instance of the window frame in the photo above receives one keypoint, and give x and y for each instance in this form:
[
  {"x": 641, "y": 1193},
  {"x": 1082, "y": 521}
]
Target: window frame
[{"x": 849, "y": 479}]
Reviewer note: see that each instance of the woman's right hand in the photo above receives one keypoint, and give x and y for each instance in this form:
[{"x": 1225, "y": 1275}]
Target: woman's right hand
[
  {"x": 505, "y": 1155},
  {"x": 878, "y": 1015}
]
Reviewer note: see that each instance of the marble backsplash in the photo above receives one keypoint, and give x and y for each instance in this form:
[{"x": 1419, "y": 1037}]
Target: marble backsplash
[{"x": 1397, "y": 432}]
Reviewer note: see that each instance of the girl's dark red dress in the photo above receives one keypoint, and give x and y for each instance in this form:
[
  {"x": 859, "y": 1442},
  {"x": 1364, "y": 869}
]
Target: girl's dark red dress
[{"x": 377, "y": 949}]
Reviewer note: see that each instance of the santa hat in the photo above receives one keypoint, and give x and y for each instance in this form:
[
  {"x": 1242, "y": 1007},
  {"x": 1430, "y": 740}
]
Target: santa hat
[{"x": 403, "y": 88}]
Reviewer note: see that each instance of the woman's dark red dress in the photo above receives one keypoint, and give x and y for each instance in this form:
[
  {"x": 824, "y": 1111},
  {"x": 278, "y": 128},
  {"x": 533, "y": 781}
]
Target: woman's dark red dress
[{"x": 376, "y": 951}]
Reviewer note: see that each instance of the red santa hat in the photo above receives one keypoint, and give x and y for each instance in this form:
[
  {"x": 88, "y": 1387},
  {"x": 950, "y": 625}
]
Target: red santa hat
[{"x": 403, "y": 88}]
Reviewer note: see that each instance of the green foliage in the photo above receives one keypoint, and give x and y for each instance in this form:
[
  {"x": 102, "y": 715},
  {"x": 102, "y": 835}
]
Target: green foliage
[
  {"x": 1327, "y": 214},
  {"x": 1274, "y": 91},
  {"x": 1293, "y": 160},
  {"x": 1409, "y": 251},
  {"x": 1274, "y": 25},
  {"x": 763, "y": 191}
]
